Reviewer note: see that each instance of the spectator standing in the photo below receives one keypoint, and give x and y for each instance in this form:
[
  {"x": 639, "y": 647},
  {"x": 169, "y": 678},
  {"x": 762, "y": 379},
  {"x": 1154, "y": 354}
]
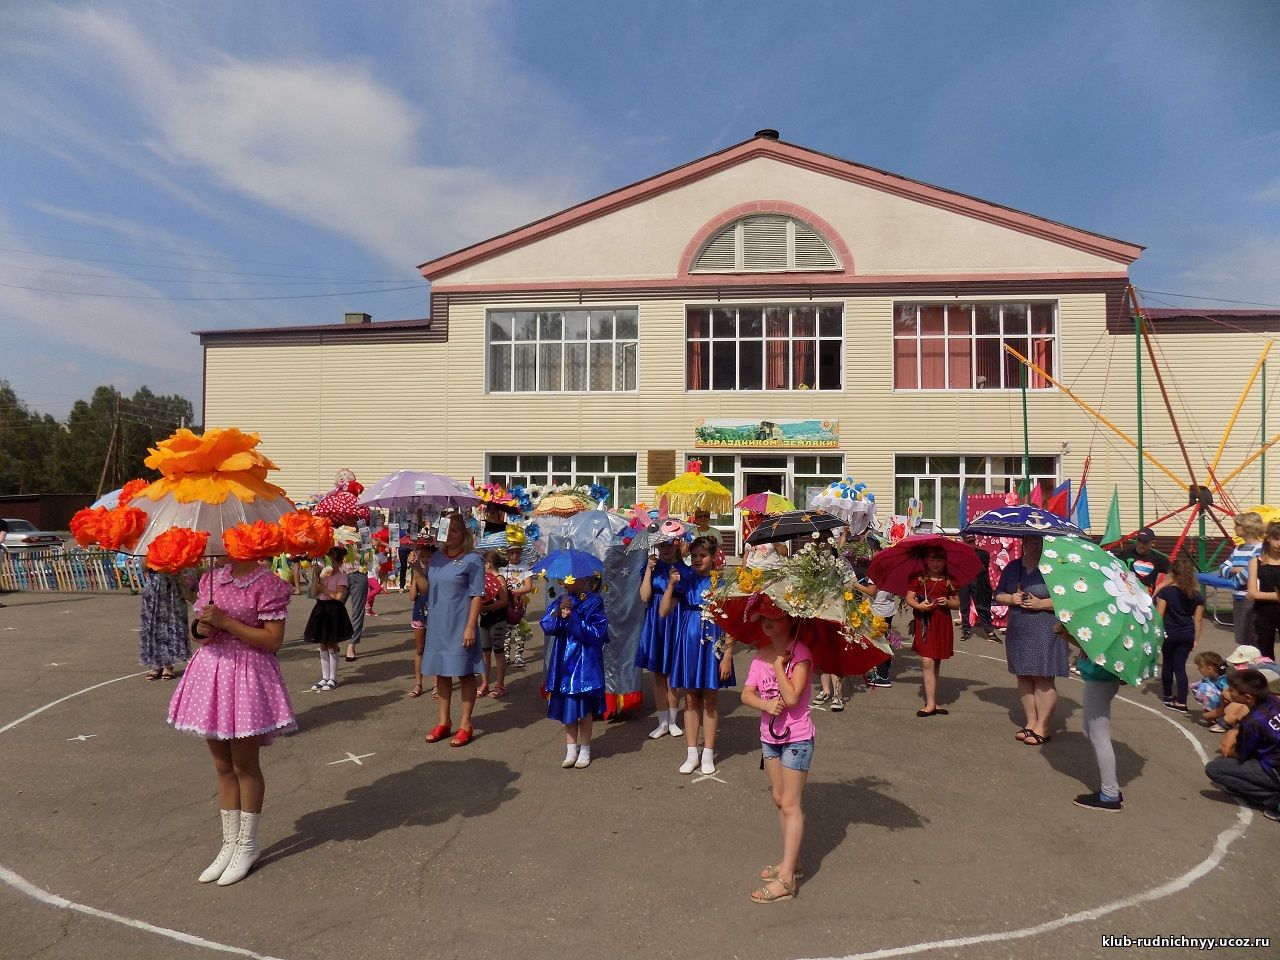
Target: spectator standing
[
  {"x": 1250, "y": 529},
  {"x": 1148, "y": 563},
  {"x": 979, "y": 593},
  {"x": 1182, "y": 605},
  {"x": 1264, "y": 582}
]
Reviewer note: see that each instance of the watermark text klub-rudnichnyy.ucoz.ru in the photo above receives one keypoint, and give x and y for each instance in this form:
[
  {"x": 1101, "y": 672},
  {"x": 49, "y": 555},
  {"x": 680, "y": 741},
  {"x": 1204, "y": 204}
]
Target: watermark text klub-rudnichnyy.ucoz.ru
[{"x": 1185, "y": 943}]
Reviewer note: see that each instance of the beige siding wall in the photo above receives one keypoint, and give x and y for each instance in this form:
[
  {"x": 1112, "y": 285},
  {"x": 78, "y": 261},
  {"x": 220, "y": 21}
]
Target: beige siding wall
[{"x": 376, "y": 408}]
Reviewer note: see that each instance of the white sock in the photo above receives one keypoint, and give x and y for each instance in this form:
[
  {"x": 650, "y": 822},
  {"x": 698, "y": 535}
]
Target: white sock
[
  {"x": 673, "y": 725},
  {"x": 663, "y": 725},
  {"x": 333, "y": 665},
  {"x": 708, "y": 760},
  {"x": 691, "y": 761},
  {"x": 325, "y": 670},
  {"x": 571, "y": 752},
  {"x": 584, "y": 753}
]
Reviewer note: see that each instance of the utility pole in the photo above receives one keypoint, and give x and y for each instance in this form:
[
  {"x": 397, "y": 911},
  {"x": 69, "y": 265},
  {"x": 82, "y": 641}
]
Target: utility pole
[{"x": 111, "y": 446}]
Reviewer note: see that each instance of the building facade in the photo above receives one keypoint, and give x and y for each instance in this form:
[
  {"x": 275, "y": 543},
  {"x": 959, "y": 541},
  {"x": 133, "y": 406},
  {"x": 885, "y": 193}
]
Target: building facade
[{"x": 785, "y": 316}]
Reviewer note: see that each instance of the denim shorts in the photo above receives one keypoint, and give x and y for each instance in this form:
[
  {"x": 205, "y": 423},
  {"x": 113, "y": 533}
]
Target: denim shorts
[{"x": 794, "y": 756}]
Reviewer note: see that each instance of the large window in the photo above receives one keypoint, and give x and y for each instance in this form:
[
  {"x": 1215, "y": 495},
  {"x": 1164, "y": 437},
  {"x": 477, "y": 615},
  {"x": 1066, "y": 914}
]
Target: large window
[
  {"x": 960, "y": 346},
  {"x": 937, "y": 480},
  {"x": 614, "y": 471},
  {"x": 764, "y": 348},
  {"x": 562, "y": 351}
]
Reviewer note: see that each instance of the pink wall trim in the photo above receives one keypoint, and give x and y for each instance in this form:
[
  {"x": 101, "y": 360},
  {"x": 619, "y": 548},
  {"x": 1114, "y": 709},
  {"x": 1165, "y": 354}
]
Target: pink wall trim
[
  {"x": 1103, "y": 246},
  {"x": 699, "y": 281},
  {"x": 785, "y": 207}
]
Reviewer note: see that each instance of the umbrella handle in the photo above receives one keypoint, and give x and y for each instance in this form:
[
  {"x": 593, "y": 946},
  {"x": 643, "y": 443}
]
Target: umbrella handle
[{"x": 774, "y": 733}]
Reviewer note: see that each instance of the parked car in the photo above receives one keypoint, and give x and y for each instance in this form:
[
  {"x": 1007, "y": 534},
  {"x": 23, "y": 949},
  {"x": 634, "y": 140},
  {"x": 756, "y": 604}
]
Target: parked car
[{"x": 23, "y": 535}]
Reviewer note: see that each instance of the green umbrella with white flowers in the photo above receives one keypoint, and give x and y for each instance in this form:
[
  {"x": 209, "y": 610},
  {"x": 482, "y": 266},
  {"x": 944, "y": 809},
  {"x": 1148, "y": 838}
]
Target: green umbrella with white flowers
[{"x": 1102, "y": 604}]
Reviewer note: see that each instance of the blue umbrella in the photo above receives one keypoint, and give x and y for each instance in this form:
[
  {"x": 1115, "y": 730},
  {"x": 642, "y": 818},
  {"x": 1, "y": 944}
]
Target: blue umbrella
[
  {"x": 566, "y": 564},
  {"x": 1021, "y": 521}
]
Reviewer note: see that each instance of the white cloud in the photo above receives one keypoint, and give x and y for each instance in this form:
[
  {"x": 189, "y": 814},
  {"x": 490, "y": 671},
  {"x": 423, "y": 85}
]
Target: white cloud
[
  {"x": 1240, "y": 268},
  {"x": 1270, "y": 193}
]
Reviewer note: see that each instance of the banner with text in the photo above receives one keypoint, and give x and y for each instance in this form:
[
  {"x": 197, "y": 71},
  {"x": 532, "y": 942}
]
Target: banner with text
[{"x": 758, "y": 434}]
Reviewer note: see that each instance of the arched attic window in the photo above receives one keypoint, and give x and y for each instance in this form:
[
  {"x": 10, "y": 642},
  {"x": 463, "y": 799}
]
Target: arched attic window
[{"x": 765, "y": 243}]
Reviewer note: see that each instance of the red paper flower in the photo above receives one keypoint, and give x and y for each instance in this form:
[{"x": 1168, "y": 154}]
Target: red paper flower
[
  {"x": 131, "y": 490},
  {"x": 306, "y": 535},
  {"x": 120, "y": 528},
  {"x": 256, "y": 541},
  {"x": 85, "y": 525},
  {"x": 176, "y": 549}
]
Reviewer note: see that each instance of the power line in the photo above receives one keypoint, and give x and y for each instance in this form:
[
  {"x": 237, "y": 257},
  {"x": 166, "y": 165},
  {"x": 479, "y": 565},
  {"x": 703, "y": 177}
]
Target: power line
[
  {"x": 165, "y": 266},
  {"x": 1191, "y": 296},
  {"x": 291, "y": 296},
  {"x": 311, "y": 281}
]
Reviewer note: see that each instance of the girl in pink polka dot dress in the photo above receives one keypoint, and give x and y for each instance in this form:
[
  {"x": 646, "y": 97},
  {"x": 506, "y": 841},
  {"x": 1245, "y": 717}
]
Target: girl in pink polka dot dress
[{"x": 233, "y": 695}]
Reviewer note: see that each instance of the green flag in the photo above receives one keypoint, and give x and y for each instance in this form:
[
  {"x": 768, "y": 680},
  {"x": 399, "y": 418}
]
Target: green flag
[{"x": 1113, "y": 533}]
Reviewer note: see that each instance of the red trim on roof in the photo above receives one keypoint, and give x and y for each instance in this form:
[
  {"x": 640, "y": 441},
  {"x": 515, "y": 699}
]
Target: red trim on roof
[
  {"x": 1095, "y": 243},
  {"x": 719, "y": 222}
]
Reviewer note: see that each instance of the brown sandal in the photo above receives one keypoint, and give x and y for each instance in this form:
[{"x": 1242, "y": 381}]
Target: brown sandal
[
  {"x": 416, "y": 692},
  {"x": 153, "y": 675},
  {"x": 771, "y": 873},
  {"x": 766, "y": 895}
]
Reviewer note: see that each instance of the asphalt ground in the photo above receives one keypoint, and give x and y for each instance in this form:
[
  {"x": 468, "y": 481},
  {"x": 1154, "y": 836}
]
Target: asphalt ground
[{"x": 941, "y": 837}]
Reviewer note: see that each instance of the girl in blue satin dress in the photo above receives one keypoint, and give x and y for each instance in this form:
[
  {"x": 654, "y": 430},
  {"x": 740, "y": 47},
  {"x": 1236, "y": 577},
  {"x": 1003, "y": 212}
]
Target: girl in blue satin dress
[
  {"x": 577, "y": 630},
  {"x": 658, "y": 638},
  {"x": 703, "y": 657}
]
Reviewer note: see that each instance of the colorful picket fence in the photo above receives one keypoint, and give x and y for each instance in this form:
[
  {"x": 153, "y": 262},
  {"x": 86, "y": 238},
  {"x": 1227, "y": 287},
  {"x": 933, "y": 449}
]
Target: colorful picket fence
[{"x": 69, "y": 571}]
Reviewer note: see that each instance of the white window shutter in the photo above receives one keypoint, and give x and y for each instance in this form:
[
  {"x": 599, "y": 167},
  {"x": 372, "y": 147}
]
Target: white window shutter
[
  {"x": 764, "y": 243},
  {"x": 812, "y": 252},
  {"x": 720, "y": 255}
]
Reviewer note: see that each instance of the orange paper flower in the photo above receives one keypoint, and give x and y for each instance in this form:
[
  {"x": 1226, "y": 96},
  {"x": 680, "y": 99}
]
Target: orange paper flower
[
  {"x": 176, "y": 549},
  {"x": 85, "y": 525},
  {"x": 131, "y": 490},
  {"x": 120, "y": 528},
  {"x": 209, "y": 468},
  {"x": 256, "y": 541},
  {"x": 306, "y": 535}
]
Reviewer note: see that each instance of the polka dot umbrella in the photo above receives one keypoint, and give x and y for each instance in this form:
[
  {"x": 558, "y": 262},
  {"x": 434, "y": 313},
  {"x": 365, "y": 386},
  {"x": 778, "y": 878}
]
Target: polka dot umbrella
[{"x": 1100, "y": 602}]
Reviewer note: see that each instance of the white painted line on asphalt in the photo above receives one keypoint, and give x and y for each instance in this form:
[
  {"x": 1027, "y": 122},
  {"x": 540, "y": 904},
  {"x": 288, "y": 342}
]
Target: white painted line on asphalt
[
  {"x": 39, "y": 710},
  {"x": 1244, "y": 816},
  {"x": 709, "y": 776},
  {"x": 82, "y": 737},
  {"x": 53, "y": 900},
  {"x": 352, "y": 758}
]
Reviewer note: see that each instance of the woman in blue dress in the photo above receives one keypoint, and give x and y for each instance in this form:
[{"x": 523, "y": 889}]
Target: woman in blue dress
[
  {"x": 578, "y": 631},
  {"x": 658, "y": 638},
  {"x": 455, "y": 590},
  {"x": 702, "y": 662}
]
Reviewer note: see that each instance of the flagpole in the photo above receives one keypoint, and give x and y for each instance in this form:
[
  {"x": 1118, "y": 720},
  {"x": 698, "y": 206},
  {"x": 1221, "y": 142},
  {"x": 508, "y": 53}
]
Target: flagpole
[
  {"x": 1262, "y": 484},
  {"x": 1137, "y": 336}
]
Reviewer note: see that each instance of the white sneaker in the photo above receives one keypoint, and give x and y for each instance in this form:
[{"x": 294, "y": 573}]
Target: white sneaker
[
  {"x": 569, "y": 760},
  {"x": 583, "y": 761},
  {"x": 317, "y": 687},
  {"x": 689, "y": 765},
  {"x": 660, "y": 731},
  {"x": 708, "y": 766}
]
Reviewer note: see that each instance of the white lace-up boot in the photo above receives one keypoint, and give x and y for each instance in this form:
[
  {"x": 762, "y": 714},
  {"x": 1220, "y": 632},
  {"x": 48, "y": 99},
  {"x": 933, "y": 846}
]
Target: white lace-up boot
[{"x": 230, "y": 830}]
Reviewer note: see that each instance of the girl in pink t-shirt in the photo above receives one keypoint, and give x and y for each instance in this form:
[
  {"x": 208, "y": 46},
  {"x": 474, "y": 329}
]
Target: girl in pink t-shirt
[{"x": 778, "y": 686}]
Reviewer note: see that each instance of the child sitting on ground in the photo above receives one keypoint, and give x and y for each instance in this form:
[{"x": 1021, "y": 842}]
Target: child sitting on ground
[
  {"x": 1213, "y": 680},
  {"x": 1249, "y": 767}
]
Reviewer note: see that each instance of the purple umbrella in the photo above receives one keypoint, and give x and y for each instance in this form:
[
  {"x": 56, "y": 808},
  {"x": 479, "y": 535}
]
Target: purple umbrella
[{"x": 416, "y": 488}]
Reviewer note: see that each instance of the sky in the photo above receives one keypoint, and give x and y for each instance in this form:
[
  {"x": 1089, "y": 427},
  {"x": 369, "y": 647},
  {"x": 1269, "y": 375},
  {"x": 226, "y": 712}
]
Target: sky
[{"x": 174, "y": 166}]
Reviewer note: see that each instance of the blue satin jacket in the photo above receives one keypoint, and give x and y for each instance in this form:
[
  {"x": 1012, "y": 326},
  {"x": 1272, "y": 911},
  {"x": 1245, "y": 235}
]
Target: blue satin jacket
[{"x": 577, "y": 657}]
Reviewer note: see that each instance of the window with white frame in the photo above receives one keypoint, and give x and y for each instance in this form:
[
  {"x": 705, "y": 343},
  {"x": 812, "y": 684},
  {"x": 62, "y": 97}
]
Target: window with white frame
[
  {"x": 960, "y": 346},
  {"x": 765, "y": 243},
  {"x": 793, "y": 475},
  {"x": 616, "y": 472},
  {"x": 939, "y": 480},
  {"x": 764, "y": 348},
  {"x": 562, "y": 351}
]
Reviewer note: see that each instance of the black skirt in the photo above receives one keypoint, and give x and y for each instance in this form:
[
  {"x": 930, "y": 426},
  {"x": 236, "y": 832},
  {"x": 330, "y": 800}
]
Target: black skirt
[{"x": 328, "y": 623}]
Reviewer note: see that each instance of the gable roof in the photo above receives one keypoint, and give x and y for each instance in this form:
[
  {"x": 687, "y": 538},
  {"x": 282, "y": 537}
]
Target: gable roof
[{"x": 764, "y": 144}]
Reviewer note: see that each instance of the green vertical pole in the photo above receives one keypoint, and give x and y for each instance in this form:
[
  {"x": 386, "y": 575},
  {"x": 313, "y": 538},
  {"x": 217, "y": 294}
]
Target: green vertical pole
[
  {"x": 1142, "y": 493},
  {"x": 1201, "y": 562},
  {"x": 1026, "y": 437},
  {"x": 1262, "y": 483}
]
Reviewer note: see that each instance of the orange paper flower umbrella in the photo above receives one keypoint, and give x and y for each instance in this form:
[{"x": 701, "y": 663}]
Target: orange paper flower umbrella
[
  {"x": 210, "y": 482},
  {"x": 119, "y": 529},
  {"x": 85, "y": 524},
  {"x": 306, "y": 535},
  {"x": 177, "y": 549}
]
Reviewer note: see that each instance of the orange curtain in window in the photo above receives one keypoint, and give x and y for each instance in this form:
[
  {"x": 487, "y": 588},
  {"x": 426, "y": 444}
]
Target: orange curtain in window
[
  {"x": 775, "y": 365},
  {"x": 693, "y": 364},
  {"x": 1042, "y": 357},
  {"x": 803, "y": 371}
]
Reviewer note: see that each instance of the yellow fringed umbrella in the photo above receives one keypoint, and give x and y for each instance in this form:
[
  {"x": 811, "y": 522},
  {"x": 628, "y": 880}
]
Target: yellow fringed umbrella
[
  {"x": 692, "y": 491},
  {"x": 564, "y": 504}
]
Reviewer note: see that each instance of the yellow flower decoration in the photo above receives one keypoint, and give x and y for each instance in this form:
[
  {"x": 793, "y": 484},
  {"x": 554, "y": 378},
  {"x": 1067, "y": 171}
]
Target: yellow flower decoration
[
  {"x": 569, "y": 580},
  {"x": 848, "y": 595},
  {"x": 209, "y": 468}
]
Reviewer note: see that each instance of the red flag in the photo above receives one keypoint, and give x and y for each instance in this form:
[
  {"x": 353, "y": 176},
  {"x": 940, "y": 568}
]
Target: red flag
[
  {"x": 1059, "y": 501},
  {"x": 1037, "y": 495}
]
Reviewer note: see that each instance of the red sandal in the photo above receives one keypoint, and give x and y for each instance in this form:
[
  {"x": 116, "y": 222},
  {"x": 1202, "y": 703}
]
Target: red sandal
[
  {"x": 462, "y": 737},
  {"x": 438, "y": 733}
]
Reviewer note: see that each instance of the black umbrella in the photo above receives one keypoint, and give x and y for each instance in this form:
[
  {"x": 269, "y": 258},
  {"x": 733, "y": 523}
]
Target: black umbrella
[
  {"x": 1022, "y": 520},
  {"x": 796, "y": 523}
]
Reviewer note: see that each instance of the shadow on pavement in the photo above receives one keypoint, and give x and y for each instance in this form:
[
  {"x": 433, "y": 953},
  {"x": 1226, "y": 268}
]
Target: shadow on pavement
[
  {"x": 1071, "y": 753},
  {"x": 433, "y": 792},
  {"x": 832, "y": 808},
  {"x": 319, "y": 712},
  {"x": 1007, "y": 697}
]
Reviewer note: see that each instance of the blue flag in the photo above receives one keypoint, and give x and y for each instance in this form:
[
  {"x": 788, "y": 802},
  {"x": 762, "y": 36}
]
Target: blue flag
[
  {"x": 964, "y": 510},
  {"x": 1080, "y": 515}
]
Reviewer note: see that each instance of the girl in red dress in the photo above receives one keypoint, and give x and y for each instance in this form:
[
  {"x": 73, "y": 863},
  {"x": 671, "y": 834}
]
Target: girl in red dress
[{"x": 933, "y": 596}]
